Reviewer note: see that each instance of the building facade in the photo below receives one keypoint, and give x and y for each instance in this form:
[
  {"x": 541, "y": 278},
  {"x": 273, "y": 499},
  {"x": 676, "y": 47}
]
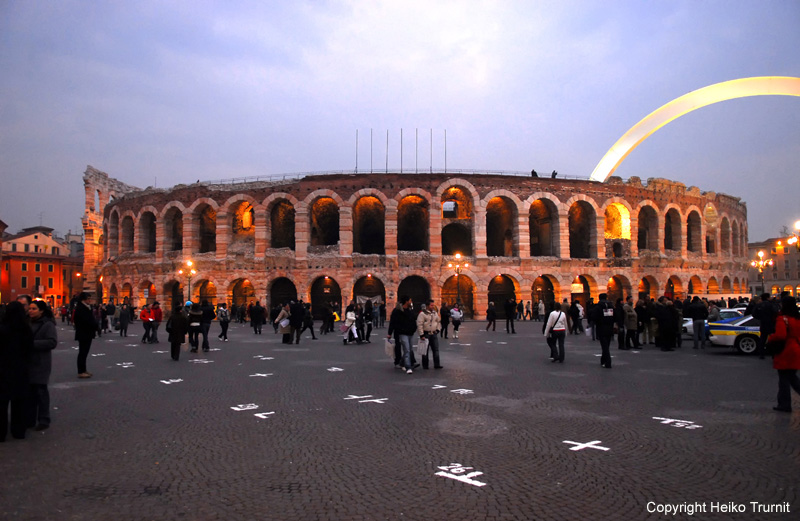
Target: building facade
[
  {"x": 36, "y": 263},
  {"x": 783, "y": 275},
  {"x": 337, "y": 237}
]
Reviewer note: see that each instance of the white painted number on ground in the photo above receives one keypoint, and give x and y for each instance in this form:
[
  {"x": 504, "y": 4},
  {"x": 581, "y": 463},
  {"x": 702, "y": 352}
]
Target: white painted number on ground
[
  {"x": 462, "y": 391},
  {"x": 690, "y": 425},
  {"x": 264, "y": 415},
  {"x": 160, "y": 352},
  {"x": 201, "y": 361},
  {"x": 125, "y": 365},
  {"x": 245, "y": 407},
  {"x": 99, "y": 354},
  {"x": 458, "y": 472},
  {"x": 590, "y": 445},
  {"x": 171, "y": 381},
  {"x": 262, "y": 357}
]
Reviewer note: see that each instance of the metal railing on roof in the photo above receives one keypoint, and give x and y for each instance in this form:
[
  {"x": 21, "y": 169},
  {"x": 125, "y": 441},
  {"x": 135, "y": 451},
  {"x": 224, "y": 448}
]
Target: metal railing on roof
[{"x": 274, "y": 178}]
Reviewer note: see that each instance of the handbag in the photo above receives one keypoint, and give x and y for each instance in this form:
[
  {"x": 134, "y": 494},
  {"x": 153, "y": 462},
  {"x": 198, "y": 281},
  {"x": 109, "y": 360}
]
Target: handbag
[
  {"x": 388, "y": 347},
  {"x": 421, "y": 347},
  {"x": 284, "y": 322}
]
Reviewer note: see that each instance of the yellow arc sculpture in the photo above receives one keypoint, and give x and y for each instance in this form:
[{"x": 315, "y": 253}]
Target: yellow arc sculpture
[{"x": 741, "y": 88}]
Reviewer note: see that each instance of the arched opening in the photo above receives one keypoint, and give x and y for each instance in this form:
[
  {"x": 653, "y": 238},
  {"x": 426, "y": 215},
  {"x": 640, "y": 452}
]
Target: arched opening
[
  {"x": 617, "y": 222},
  {"x": 173, "y": 230},
  {"x": 415, "y": 287},
  {"x": 736, "y": 239},
  {"x": 725, "y": 235},
  {"x": 581, "y": 290},
  {"x": 695, "y": 286},
  {"x": 460, "y": 288},
  {"x": 369, "y": 287},
  {"x": 726, "y": 285},
  {"x": 648, "y": 288},
  {"x": 713, "y": 286},
  {"x": 281, "y": 221},
  {"x": 648, "y": 229},
  {"x": 543, "y": 290},
  {"x": 693, "y": 232},
  {"x": 616, "y": 250},
  {"x": 325, "y": 291},
  {"x": 242, "y": 292},
  {"x": 543, "y": 226},
  {"x": 674, "y": 288},
  {"x": 206, "y": 290},
  {"x": 173, "y": 295},
  {"x": 282, "y": 291},
  {"x": 736, "y": 287},
  {"x": 369, "y": 230},
  {"x": 501, "y": 228},
  {"x": 147, "y": 293},
  {"x": 788, "y": 290},
  {"x": 96, "y": 206},
  {"x": 775, "y": 290},
  {"x": 456, "y": 204},
  {"x": 413, "y": 224},
  {"x": 618, "y": 287},
  {"x": 711, "y": 243},
  {"x": 127, "y": 293},
  {"x": 113, "y": 235},
  {"x": 147, "y": 233},
  {"x": 324, "y": 222},
  {"x": 456, "y": 238},
  {"x": 501, "y": 289},
  {"x": 206, "y": 221},
  {"x": 113, "y": 294},
  {"x": 242, "y": 228},
  {"x": 126, "y": 232},
  {"x": 672, "y": 230},
  {"x": 582, "y": 231}
]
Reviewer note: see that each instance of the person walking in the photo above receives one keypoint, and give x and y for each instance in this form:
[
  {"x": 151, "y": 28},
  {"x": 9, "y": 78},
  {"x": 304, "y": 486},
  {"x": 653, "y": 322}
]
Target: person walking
[
  {"x": 308, "y": 323},
  {"x": 456, "y": 315},
  {"x": 258, "y": 315},
  {"x": 195, "y": 319},
  {"x": 85, "y": 330},
  {"x": 147, "y": 323},
  {"x": 297, "y": 311},
  {"x": 157, "y": 315},
  {"x": 402, "y": 321},
  {"x": 205, "y": 324},
  {"x": 631, "y": 325},
  {"x": 16, "y": 346},
  {"x": 224, "y": 319},
  {"x": 177, "y": 327},
  {"x": 124, "y": 319},
  {"x": 428, "y": 325},
  {"x": 787, "y": 362},
  {"x": 619, "y": 320},
  {"x": 528, "y": 314},
  {"x": 491, "y": 317},
  {"x": 284, "y": 324},
  {"x": 603, "y": 320},
  {"x": 444, "y": 319},
  {"x": 510, "y": 309},
  {"x": 575, "y": 316},
  {"x": 540, "y": 309},
  {"x": 45, "y": 339},
  {"x": 556, "y": 332}
]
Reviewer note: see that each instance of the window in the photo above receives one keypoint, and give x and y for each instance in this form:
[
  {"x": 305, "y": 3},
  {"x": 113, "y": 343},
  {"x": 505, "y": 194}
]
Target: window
[
  {"x": 37, "y": 282},
  {"x": 23, "y": 282},
  {"x": 50, "y": 268},
  {"x": 786, "y": 264},
  {"x": 56, "y": 251},
  {"x": 37, "y": 267},
  {"x": 27, "y": 247},
  {"x": 64, "y": 274},
  {"x": 36, "y": 248},
  {"x": 13, "y": 246},
  {"x": 50, "y": 282},
  {"x": 24, "y": 266}
]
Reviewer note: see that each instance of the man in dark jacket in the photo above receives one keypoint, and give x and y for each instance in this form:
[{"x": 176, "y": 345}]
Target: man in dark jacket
[
  {"x": 603, "y": 319},
  {"x": 697, "y": 311},
  {"x": 766, "y": 312},
  {"x": 297, "y": 312},
  {"x": 85, "y": 329},
  {"x": 205, "y": 323},
  {"x": 402, "y": 321},
  {"x": 177, "y": 326},
  {"x": 510, "y": 309}
]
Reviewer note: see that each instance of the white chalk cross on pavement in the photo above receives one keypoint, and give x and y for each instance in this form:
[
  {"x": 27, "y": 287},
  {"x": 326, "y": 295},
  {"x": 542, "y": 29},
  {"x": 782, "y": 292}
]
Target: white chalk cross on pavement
[{"x": 590, "y": 445}]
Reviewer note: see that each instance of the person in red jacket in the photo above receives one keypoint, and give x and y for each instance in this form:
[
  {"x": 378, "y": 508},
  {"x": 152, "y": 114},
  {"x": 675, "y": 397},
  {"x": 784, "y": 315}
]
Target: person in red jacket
[
  {"x": 157, "y": 315},
  {"x": 147, "y": 322},
  {"x": 787, "y": 362}
]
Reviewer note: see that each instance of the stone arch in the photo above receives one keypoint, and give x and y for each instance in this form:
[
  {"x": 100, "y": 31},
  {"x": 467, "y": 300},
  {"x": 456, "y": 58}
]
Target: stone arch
[
  {"x": 502, "y": 229},
  {"x": 694, "y": 231},
  {"x": 582, "y": 218},
  {"x": 282, "y": 224},
  {"x": 695, "y": 286},
  {"x": 544, "y": 225},
  {"x": 647, "y": 226},
  {"x": 113, "y": 234},
  {"x": 240, "y": 215},
  {"x": 172, "y": 219},
  {"x": 172, "y": 295},
  {"x": 712, "y": 286},
  {"x": 648, "y": 288},
  {"x": 324, "y": 215},
  {"x": 619, "y": 286},
  {"x": 205, "y": 289},
  {"x": 461, "y": 288},
  {"x": 127, "y": 235},
  {"x": 500, "y": 289},
  {"x": 147, "y": 230},
  {"x": 324, "y": 290},
  {"x": 146, "y": 292},
  {"x": 456, "y": 238},
  {"x": 673, "y": 287},
  {"x": 547, "y": 288},
  {"x": 240, "y": 291},
  {"x": 370, "y": 286},
  {"x": 204, "y": 221},
  {"x": 413, "y": 222},
  {"x": 725, "y": 235},
  {"x": 417, "y": 287},
  {"x": 672, "y": 228},
  {"x": 369, "y": 224},
  {"x": 127, "y": 292},
  {"x": 726, "y": 285},
  {"x": 281, "y": 290},
  {"x": 462, "y": 191},
  {"x": 617, "y": 219},
  {"x": 582, "y": 288}
]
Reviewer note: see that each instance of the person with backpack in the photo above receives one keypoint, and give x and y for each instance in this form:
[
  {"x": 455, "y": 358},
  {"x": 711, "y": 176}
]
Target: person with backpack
[{"x": 224, "y": 318}]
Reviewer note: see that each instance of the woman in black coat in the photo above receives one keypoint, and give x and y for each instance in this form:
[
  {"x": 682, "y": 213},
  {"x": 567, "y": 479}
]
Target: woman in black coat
[
  {"x": 16, "y": 345},
  {"x": 45, "y": 339},
  {"x": 177, "y": 327}
]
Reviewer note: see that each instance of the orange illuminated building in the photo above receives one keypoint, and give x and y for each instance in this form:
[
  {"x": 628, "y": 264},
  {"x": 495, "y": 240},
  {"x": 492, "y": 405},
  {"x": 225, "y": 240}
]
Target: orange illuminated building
[{"x": 36, "y": 263}]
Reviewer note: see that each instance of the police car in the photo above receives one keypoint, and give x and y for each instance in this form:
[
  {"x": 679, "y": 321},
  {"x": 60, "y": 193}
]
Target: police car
[
  {"x": 725, "y": 315},
  {"x": 741, "y": 333}
]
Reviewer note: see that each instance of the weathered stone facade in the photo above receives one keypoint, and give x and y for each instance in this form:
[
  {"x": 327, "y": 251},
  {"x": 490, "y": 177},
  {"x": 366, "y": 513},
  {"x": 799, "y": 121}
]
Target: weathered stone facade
[{"x": 342, "y": 235}]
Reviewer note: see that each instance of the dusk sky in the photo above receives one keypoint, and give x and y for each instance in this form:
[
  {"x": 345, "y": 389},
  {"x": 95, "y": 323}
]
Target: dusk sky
[{"x": 171, "y": 92}]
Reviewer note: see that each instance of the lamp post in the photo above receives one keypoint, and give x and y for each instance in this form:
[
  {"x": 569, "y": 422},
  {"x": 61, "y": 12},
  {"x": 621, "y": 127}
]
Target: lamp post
[
  {"x": 457, "y": 267},
  {"x": 189, "y": 272},
  {"x": 760, "y": 264}
]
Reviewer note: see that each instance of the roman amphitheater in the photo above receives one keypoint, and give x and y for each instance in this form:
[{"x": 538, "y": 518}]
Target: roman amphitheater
[{"x": 338, "y": 236}]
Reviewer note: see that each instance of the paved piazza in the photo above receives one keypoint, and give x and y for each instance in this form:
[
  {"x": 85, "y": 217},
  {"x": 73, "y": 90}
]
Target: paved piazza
[{"x": 259, "y": 430}]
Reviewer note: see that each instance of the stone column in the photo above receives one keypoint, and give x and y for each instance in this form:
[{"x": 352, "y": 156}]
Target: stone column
[
  {"x": 260, "y": 248},
  {"x": 224, "y": 232},
  {"x": 435, "y": 230},
  {"x": 191, "y": 230},
  {"x": 390, "y": 230},
  {"x": 302, "y": 236},
  {"x": 346, "y": 232},
  {"x": 563, "y": 234},
  {"x": 634, "y": 245},
  {"x": 600, "y": 236},
  {"x": 479, "y": 232},
  {"x": 523, "y": 236}
]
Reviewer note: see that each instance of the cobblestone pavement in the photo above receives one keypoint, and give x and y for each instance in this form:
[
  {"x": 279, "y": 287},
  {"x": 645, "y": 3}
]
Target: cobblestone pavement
[{"x": 260, "y": 430}]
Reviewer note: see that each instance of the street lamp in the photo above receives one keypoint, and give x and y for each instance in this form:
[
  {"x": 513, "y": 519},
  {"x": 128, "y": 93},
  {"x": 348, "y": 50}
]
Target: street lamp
[
  {"x": 457, "y": 267},
  {"x": 794, "y": 239},
  {"x": 760, "y": 264},
  {"x": 189, "y": 272}
]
